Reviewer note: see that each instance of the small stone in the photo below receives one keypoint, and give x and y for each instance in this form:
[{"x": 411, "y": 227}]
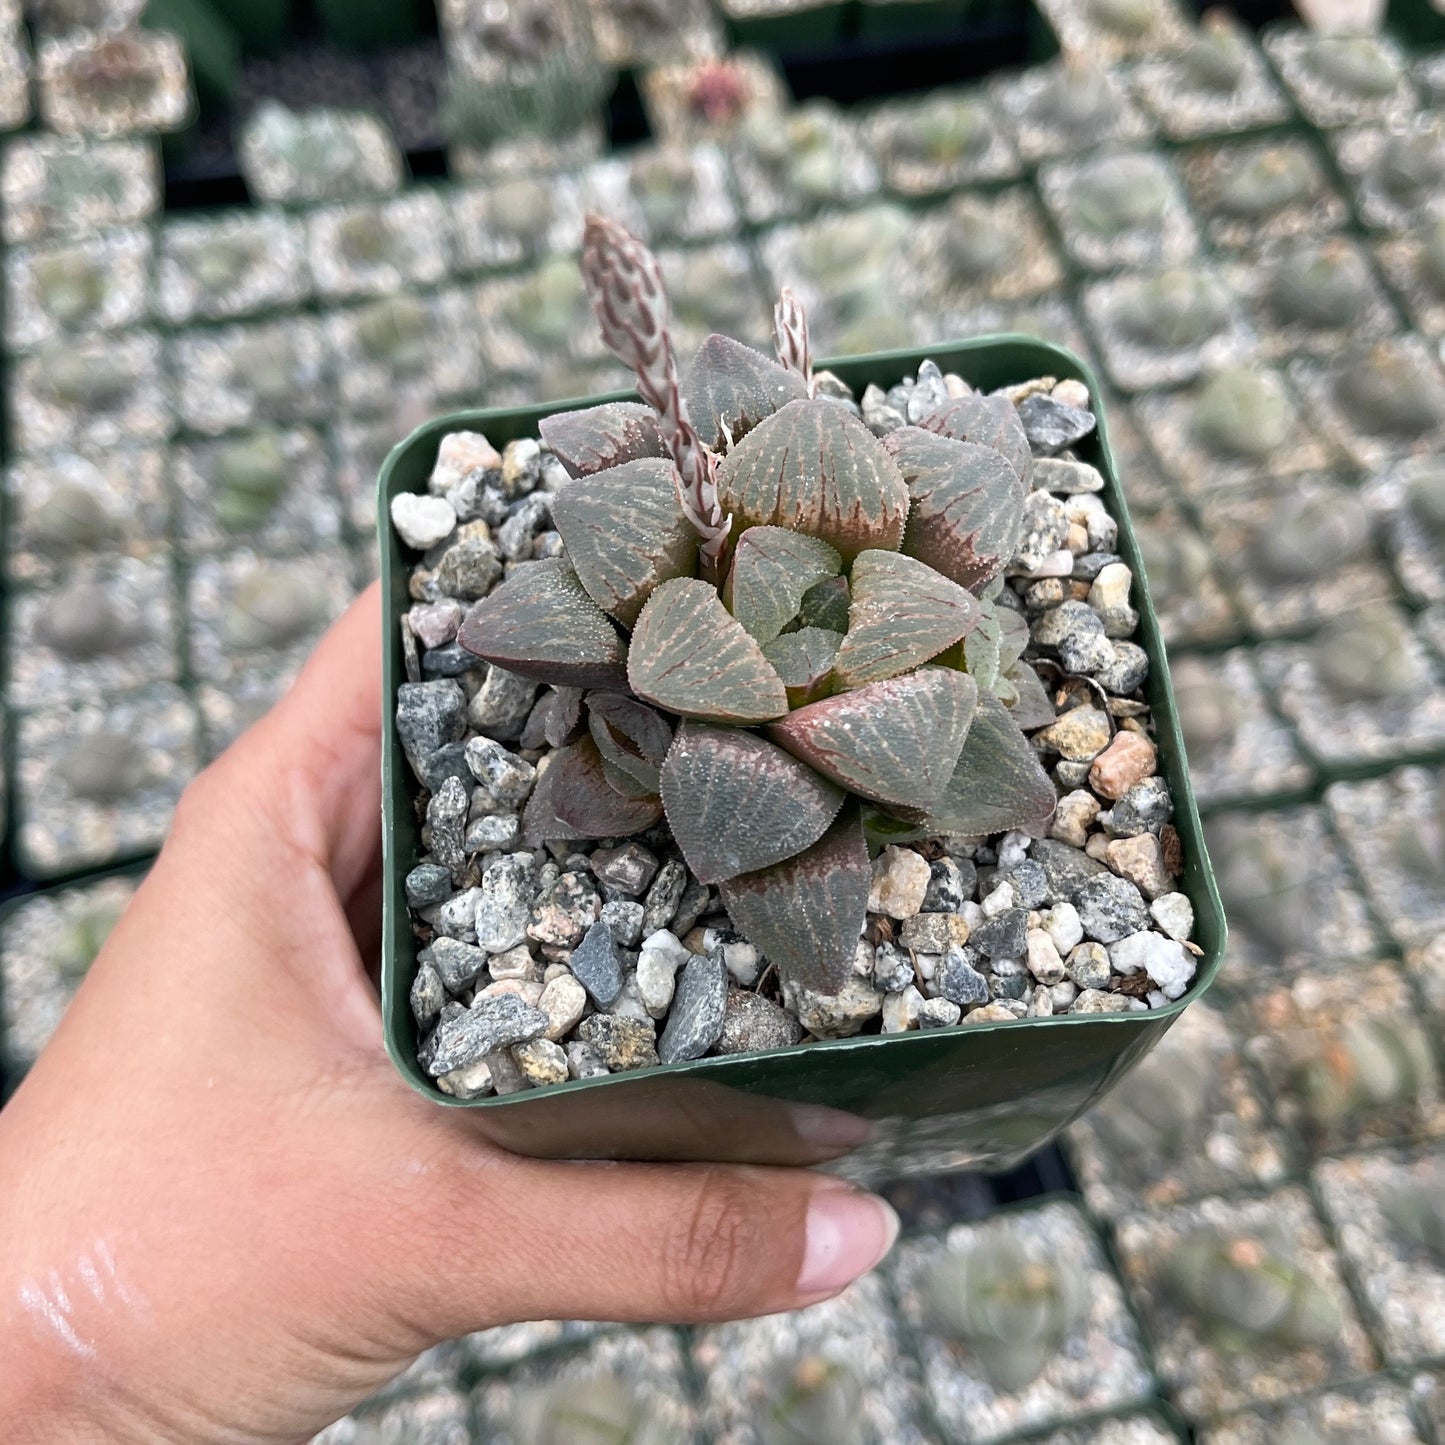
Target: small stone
[
  {"x": 1071, "y": 393},
  {"x": 624, "y": 917},
  {"x": 458, "y": 964},
  {"x": 1080, "y": 734},
  {"x": 999, "y": 899},
  {"x": 1111, "y": 588},
  {"x": 629, "y": 869},
  {"x": 1097, "y": 846},
  {"x": 583, "y": 1061},
  {"x": 742, "y": 960},
  {"x": 493, "y": 1022},
  {"x": 901, "y": 1009},
  {"x": 1073, "y": 817},
  {"x": 529, "y": 990},
  {"x": 834, "y": 1016},
  {"x": 453, "y": 660},
  {"x": 527, "y": 518},
  {"x": 469, "y": 569},
  {"x": 521, "y": 466},
  {"x": 446, "y": 817},
  {"x": 448, "y": 761},
  {"x": 1141, "y": 860},
  {"x": 435, "y": 624},
  {"x": 1063, "y": 994},
  {"x": 696, "y": 899},
  {"x": 661, "y": 903},
  {"x": 1095, "y": 1001},
  {"x": 459, "y": 455},
  {"x": 1085, "y": 650},
  {"x": 565, "y": 909},
  {"x": 428, "y": 995},
  {"x": 892, "y": 968},
  {"x": 1167, "y": 962},
  {"x": 430, "y": 715},
  {"x": 865, "y": 958},
  {"x": 991, "y": 1013},
  {"x": 597, "y": 963},
  {"x": 1061, "y": 475},
  {"x": 879, "y": 417},
  {"x": 426, "y": 884},
  {"x": 1110, "y": 907},
  {"x": 1041, "y": 1003},
  {"x": 1145, "y": 808},
  {"x": 939, "y": 1013},
  {"x": 1061, "y": 923},
  {"x": 507, "y": 777},
  {"x": 457, "y": 917},
  {"x": 696, "y": 1018},
  {"x": 564, "y": 1001},
  {"x": 657, "y": 965},
  {"x": 1128, "y": 760},
  {"x": 422, "y": 522},
  {"x": 1070, "y": 775},
  {"x": 1004, "y": 936},
  {"x": 505, "y": 902},
  {"x": 472, "y": 1082},
  {"x": 1088, "y": 966},
  {"x": 934, "y": 932},
  {"x": 542, "y": 1062},
  {"x": 1174, "y": 913},
  {"x": 1127, "y": 672},
  {"x": 514, "y": 963},
  {"x": 619, "y": 1042},
  {"x": 1030, "y": 883},
  {"x": 753, "y": 1024},
  {"x": 957, "y": 979},
  {"x": 949, "y": 885},
  {"x": 900, "y": 880},
  {"x": 1045, "y": 525},
  {"x": 494, "y": 831},
  {"x": 1044, "y": 961},
  {"x": 501, "y": 705},
  {"x": 1051, "y": 425},
  {"x": 1066, "y": 868}
]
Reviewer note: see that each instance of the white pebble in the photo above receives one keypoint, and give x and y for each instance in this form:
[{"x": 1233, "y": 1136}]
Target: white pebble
[
  {"x": 1174, "y": 913},
  {"x": 1000, "y": 900},
  {"x": 1168, "y": 963},
  {"x": 744, "y": 962},
  {"x": 657, "y": 965},
  {"x": 422, "y": 522},
  {"x": 971, "y": 913},
  {"x": 1071, "y": 393},
  {"x": 1043, "y": 959},
  {"x": 901, "y": 1009},
  {"x": 1013, "y": 848},
  {"x": 460, "y": 454},
  {"x": 1062, "y": 924},
  {"x": 563, "y": 1000}
]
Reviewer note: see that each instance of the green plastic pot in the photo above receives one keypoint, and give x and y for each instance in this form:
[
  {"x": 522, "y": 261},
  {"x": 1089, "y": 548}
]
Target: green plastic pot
[
  {"x": 974, "y": 1096},
  {"x": 914, "y": 19},
  {"x": 818, "y": 25}
]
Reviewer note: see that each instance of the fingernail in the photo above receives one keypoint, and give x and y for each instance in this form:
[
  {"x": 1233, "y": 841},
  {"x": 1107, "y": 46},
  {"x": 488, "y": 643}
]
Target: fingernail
[
  {"x": 829, "y": 1128},
  {"x": 848, "y": 1232}
]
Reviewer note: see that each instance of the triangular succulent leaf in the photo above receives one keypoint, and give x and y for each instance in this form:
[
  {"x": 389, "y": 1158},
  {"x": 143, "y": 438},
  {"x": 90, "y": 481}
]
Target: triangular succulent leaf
[
  {"x": 573, "y": 799},
  {"x": 737, "y": 803},
  {"x": 599, "y": 437},
  {"x": 730, "y": 388},
  {"x": 804, "y": 660},
  {"x": 988, "y": 421},
  {"x": 542, "y": 624},
  {"x": 631, "y": 737},
  {"x": 625, "y": 533},
  {"x": 771, "y": 573},
  {"x": 815, "y": 468},
  {"x": 564, "y": 722},
  {"x": 903, "y": 614},
  {"x": 826, "y": 604},
  {"x": 983, "y": 650},
  {"x": 692, "y": 657},
  {"x": 806, "y": 912},
  {"x": 1031, "y": 706},
  {"x": 966, "y": 517},
  {"x": 894, "y": 741}
]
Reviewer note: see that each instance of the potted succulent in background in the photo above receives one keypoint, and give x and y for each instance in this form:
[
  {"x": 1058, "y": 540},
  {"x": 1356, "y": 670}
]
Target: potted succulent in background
[{"x": 776, "y": 647}]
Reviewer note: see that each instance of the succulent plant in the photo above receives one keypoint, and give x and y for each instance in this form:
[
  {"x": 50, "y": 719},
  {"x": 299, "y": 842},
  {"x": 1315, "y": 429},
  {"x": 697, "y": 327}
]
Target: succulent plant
[
  {"x": 324, "y": 149},
  {"x": 1078, "y": 97},
  {"x": 522, "y": 209},
  {"x": 664, "y": 183},
  {"x": 1310, "y": 532},
  {"x": 1217, "y": 57},
  {"x": 1157, "y": 1112},
  {"x": 1175, "y": 309},
  {"x": 83, "y": 380},
  {"x": 1266, "y": 182},
  {"x": 942, "y": 130},
  {"x": 1386, "y": 391},
  {"x": 800, "y": 150},
  {"x": 976, "y": 242},
  {"x": 397, "y": 330},
  {"x": 1418, "y": 1214},
  {"x": 718, "y": 92},
  {"x": 1119, "y": 193},
  {"x": 74, "y": 517},
  {"x": 88, "y": 620},
  {"x": 117, "y": 70},
  {"x": 706, "y": 293},
  {"x": 1247, "y": 1291},
  {"x": 1432, "y": 255},
  {"x": 1425, "y": 496},
  {"x": 70, "y": 286},
  {"x": 1176, "y": 561},
  {"x": 273, "y": 605},
  {"x": 1368, "y": 656},
  {"x": 222, "y": 262},
  {"x": 269, "y": 365},
  {"x": 366, "y": 238},
  {"x": 547, "y": 305},
  {"x": 250, "y": 477},
  {"x": 704, "y": 530},
  {"x": 594, "y": 1410},
  {"x": 1208, "y": 711},
  {"x": 104, "y": 767},
  {"x": 1359, "y": 65},
  {"x": 1243, "y": 413},
  {"x": 1010, "y": 1307},
  {"x": 813, "y": 1401},
  {"x": 1365, "y": 1064},
  {"x": 81, "y": 935},
  {"x": 1326, "y": 285},
  {"x": 1411, "y": 167},
  {"x": 1271, "y": 892}
]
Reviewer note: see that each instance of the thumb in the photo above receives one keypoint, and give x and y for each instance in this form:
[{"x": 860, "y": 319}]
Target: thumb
[{"x": 665, "y": 1243}]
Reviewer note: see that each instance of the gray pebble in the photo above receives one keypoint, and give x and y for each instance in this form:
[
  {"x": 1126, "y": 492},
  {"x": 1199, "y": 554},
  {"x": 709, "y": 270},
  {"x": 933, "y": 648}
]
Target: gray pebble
[
  {"x": 1067, "y": 477},
  {"x": 528, "y": 517},
  {"x": 1110, "y": 908},
  {"x": 446, "y": 818},
  {"x": 1002, "y": 937},
  {"x": 448, "y": 761},
  {"x": 565, "y": 909},
  {"x": 660, "y": 905},
  {"x": 950, "y": 885},
  {"x": 1071, "y": 773},
  {"x": 1030, "y": 884},
  {"x": 505, "y": 902},
  {"x": 428, "y": 996},
  {"x": 506, "y": 776},
  {"x": 457, "y": 963},
  {"x": 598, "y": 965},
  {"x": 1052, "y": 425},
  {"x": 698, "y": 1005},
  {"x": 620, "y": 1043},
  {"x": 429, "y": 714},
  {"x": 493, "y": 831},
  {"x": 427, "y": 1049},
  {"x": 469, "y": 569},
  {"x": 1094, "y": 1001},
  {"x": 938, "y": 1013},
  {"x": 583, "y": 1061},
  {"x": 1045, "y": 525},
  {"x": 501, "y": 705},
  {"x": 696, "y": 898},
  {"x": 892, "y": 968},
  {"x": 959, "y": 980},
  {"x": 457, "y": 917},
  {"x": 1145, "y": 808},
  {"x": 1126, "y": 671},
  {"x": 494, "y": 1021},
  {"x": 450, "y": 661},
  {"x": 1090, "y": 564},
  {"x": 624, "y": 917},
  {"x": 629, "y": 868},
  {"x": 1066, "y": 868},
  {"x": 428, "y": 883},
  {"x": 752, "y": 1024},
  {"x": 1085, "y": 650},
  {"x": 1007, "y": 986}
]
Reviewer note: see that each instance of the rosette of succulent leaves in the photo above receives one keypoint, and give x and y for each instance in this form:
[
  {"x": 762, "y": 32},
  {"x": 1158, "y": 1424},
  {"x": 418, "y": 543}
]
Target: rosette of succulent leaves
[{"x": 770, "y": 627}]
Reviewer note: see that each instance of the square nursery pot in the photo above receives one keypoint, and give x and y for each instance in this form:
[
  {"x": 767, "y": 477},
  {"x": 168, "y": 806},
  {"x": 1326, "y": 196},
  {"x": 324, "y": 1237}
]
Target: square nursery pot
[{"x": 973, "y": 1096}]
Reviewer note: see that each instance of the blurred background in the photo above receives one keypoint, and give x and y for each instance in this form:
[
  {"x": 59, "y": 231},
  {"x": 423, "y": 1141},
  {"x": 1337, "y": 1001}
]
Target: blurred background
[{"x": 249, "y": 244}]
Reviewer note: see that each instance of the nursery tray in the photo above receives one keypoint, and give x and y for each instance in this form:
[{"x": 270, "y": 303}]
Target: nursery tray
[{"x": 979, "y": 1096}]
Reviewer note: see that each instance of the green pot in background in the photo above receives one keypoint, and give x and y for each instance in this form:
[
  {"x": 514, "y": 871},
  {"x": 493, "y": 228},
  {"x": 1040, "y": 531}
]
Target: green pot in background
[
  {"x": 212, "y": 45},
  {"x": 263, "y": 25},
  {"x": 911, "y": 19},
  {"x": 368, "y": 24},
  {"x": 974, "y": 1096},
  {"x": 798, "y": 30}
]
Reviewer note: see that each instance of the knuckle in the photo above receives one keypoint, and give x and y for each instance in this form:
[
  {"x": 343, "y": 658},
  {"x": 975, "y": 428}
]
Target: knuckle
[{"x": 710, "y": 1271}]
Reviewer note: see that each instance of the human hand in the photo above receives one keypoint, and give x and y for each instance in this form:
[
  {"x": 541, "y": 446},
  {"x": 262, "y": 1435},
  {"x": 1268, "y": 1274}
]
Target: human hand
[{"x": 226, "y": 1218}]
